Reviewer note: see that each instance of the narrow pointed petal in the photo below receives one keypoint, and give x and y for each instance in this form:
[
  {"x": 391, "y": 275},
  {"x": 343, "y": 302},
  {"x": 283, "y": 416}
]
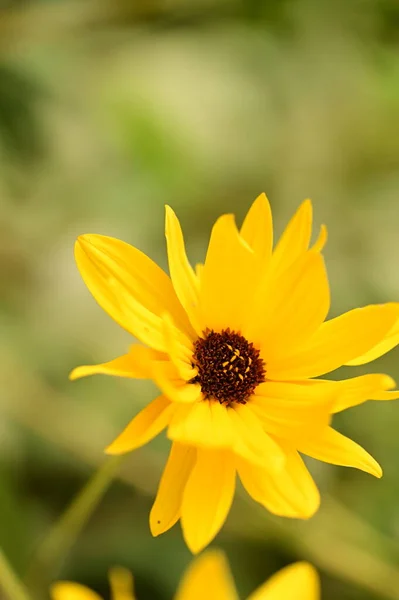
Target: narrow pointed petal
[
  {"x": 321, "y": 240},
  {"x": 229, "y": 277},
  {"x": 173, "y": 387},
  {"x": 295, "y": 238},
  {"x": 337, "y": 449},
  {"x": 144, "y": 427},
  {"x": 180, "y": 350},
  {"x": 290, "y": 493},
  {"x": 257, "y": 229},
  {"x": 335, "y": 343},
  {"x": 166, "y": 509},
  {"x": 207, "y": 497},
  {"x": 208, "y": 577},
  {"x": 183, "y": 277},
  {"x": 355, "y": 391},
  {"x": 205, "y": 424},
  {"x": 129, "y": 286},
  {"x": 385, "y": 345},
  {"x": 293, "y": 310},
  {"x": 299, "y": 581},
  {"x": 68, "y": 590},
  {"x": 136, "y": 364},
  {"x": 121, "y": 582}
]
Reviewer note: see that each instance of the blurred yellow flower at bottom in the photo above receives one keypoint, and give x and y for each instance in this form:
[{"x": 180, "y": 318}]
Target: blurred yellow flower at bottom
[
  {"x": 121, "y": 582},
  {"x": 208, "y": 576}
]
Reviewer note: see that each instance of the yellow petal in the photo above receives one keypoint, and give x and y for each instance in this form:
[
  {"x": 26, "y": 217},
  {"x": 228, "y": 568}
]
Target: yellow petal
[
  {"x": 68, "y": 590},
  {"x": 207, "y": 497},
  {"x": 205, "y": 424},
  {"x": 385, "y": 345},
  {"x": 321, "y": 240},
  {"x": 251, "y": 442},
  {"x": 229, "y": 277},
  {"x": 288, "y": 409},
  {"x": 129, "y": 286},
  {"x": 289, "y": 493},
  {"x": 135, "y": 364},
  {"x": 166, "y": 509},
  {"x": 299, "y": 581},
  {"x": 257, "y": 229},
  {"x": 355, "y": 391},
  {"x": 335, "y": 448},
  {"x": 180, "y": 350},
  {"x": 335, "y": 343},
  {"x": 183, "y": 277},
  {"x": 175, "y": 389},
  {"x": 144, "y": 427},
  {"x": 209, "y": 577},
  {"x": 121, "y": 581},
  {"x": 293, "y": 309},
  {"x": 199, "y": 267},
  {"x": 295, "y": 238},
  {"x": 394, "y": 395}
]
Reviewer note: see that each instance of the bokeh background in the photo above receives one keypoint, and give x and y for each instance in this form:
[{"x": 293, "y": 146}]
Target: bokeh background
[{"x": 108, "y": 110}]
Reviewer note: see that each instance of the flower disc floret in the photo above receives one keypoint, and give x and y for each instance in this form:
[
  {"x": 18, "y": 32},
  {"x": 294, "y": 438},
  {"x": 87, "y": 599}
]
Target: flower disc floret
[{"x": 229, "y": 367}]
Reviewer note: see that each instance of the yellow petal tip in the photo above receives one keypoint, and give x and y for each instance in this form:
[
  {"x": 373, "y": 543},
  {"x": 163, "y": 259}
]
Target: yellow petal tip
[
  {"x": 388, "y": 382},
  {"x": 113, "y": 450},
  {"x": 155, "y": 527},
  {"x": 82, "y": 240},
  {"x": 74, "y": 374}
]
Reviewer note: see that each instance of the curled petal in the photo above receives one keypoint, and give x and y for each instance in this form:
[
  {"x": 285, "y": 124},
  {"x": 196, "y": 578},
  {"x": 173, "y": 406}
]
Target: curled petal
[
  {"x": 355, "y": 391},
  {"x": 321, "y": 240}
]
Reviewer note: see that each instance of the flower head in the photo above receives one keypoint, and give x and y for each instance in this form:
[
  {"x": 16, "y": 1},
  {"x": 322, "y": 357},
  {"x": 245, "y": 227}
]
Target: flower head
[
  {"x": 208, "y": 577},
  {"x": 237, "y": 347}
]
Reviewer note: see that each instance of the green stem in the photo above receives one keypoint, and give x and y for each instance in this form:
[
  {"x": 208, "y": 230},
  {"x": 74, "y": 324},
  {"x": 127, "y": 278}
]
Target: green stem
[
  {"x": 9, "y": 582},
  {"x": 56, "y": 546}
]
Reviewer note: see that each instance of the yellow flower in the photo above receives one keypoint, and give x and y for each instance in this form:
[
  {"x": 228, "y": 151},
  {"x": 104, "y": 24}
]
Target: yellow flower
[
  {"x": 121, "y": 583},
  {"x": 209, "y": 577},
  {"x": 235, "y": 347}
]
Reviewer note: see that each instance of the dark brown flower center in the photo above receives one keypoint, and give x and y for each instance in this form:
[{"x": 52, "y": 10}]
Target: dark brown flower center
[{"x": 229, "y": 367}]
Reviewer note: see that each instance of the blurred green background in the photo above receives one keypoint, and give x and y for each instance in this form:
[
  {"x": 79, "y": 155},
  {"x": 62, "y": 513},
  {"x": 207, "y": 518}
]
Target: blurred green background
[{"x": 109, "y": 110}]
